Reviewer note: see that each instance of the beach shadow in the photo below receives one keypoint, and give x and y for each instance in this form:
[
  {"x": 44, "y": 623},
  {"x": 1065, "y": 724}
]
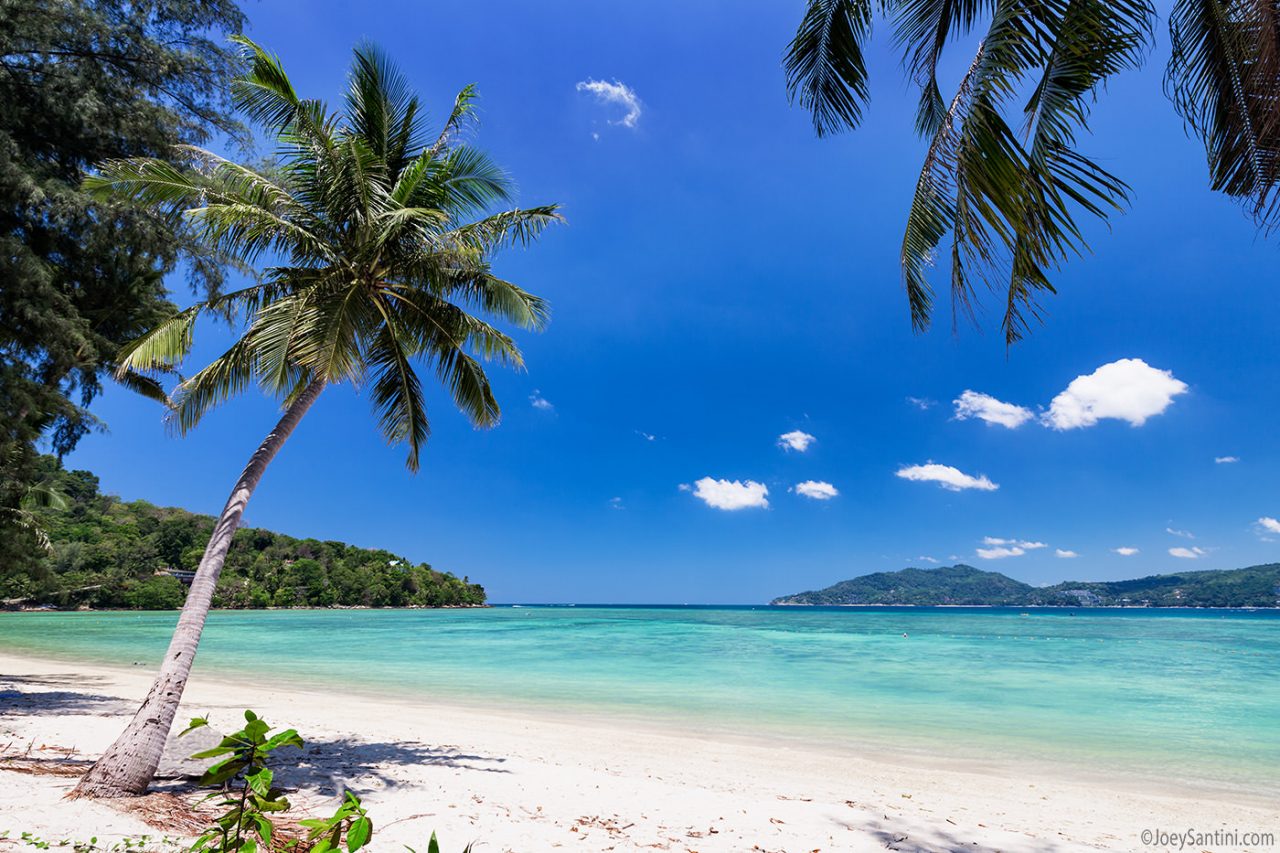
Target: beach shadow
[
  {"x": 331, "y": 766},
  {"x": 58, "y": 695},
  {"x": 936, "y": 840}
]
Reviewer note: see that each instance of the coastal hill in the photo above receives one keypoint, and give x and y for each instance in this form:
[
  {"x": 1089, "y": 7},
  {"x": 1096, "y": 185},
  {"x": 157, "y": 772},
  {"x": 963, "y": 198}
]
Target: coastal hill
[
  {"x": 1256, "y": 586},
  {"x": 109, "y": 553}
]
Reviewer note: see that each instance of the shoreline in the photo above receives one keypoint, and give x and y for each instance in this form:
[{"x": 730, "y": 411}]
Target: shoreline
[{"x": 516, "y": 779}]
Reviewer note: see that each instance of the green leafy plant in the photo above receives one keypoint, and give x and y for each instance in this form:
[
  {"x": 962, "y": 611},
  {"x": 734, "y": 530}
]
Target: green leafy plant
[
  {"x": 350, "y": 821},
  {"x": 246, "y": 823},
  {"x": 433, "y": 846}
]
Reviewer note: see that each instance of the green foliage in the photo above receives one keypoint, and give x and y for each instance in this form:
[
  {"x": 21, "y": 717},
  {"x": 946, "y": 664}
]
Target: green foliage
[
  {"x": 128, "y": 844},
  {"x": 384, "y": 237},
  {"x": 349, "y": 822},
  {"x": 106, "y": 553},
  {"x": 79, "y": 83},
  {"x": 1256, "y": 586},
  {"x": 1004, "y": 181},
  {"x": 246, "y": 823}
]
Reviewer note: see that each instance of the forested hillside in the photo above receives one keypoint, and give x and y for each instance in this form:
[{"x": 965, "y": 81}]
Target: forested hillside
[{"x": 111, "y": 553}]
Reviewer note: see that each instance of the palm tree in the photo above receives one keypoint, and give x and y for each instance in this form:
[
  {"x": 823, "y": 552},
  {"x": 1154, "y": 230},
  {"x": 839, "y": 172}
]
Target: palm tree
[
  {"x": 382, "y": 240},
  {"x": 1006, "y": 199}
]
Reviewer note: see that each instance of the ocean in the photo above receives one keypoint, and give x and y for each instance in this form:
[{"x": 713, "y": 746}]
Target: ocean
[{"x": 1179, "y": 696}]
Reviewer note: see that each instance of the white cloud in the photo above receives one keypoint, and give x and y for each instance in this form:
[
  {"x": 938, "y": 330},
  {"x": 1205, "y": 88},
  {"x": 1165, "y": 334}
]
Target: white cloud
[
  {"x": 984, "y": 407},
  {"x": 618, "y": 93},
  {"x": 1125, "y": 551},
  {"x": 1185, "y": 534},
  {"x": 922, "y": 403},
  {"x": 1020, "y": 543},
  {"x": 796, "y": 440},
  {"x": 1226, "y": 460},
  {"x": 946, "y": 476},
  {"x": 1187, "y": 553},
  {"x": 730, "y": 494},
  {"x": 1065, "y": 554},
  {"x": 647, "y": 436},
  {"x": 1271, "y": 525},
  {"x": 616, "y": 503},
  {"x": 817, "y": 490},
  {"x": 998, "y": 548},
  {"x": 999, "y": 553},
  {"x": 1128, "y": 390},
  {"x": 540, "y": 402},
  {"x": 926, "y": 559}
]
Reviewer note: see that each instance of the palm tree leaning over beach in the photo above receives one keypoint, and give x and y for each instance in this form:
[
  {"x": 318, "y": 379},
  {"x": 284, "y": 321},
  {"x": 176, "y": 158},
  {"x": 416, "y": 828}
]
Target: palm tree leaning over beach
[
  {"x": 1003, "y": 180},
  {"x": 383, "y": 240}
]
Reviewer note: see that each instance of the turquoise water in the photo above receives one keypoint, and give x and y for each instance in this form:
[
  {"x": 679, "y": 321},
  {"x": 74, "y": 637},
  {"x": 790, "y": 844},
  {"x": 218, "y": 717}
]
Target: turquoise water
[{"x": 1183, "y": 696}]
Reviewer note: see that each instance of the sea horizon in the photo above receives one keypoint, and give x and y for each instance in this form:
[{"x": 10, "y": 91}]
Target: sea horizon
[{"x": 1178, "y": 696}]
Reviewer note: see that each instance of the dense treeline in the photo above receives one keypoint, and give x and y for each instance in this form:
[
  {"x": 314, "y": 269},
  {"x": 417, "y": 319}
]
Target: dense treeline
[{"x": 108, "y": 553}]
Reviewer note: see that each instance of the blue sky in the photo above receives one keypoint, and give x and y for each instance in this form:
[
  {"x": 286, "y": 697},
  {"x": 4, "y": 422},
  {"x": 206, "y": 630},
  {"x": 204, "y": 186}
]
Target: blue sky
[{"x": 724, "y": 279}]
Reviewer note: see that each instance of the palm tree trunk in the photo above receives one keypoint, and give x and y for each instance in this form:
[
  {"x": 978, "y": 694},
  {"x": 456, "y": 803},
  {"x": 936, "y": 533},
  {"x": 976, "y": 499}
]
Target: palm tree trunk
[{"x": 126, "y": 769}]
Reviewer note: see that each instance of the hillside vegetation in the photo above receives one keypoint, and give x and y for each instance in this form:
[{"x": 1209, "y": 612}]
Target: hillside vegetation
[
  {"x": 109, "y": 553},
  {"x": 1256, "y": 586}
]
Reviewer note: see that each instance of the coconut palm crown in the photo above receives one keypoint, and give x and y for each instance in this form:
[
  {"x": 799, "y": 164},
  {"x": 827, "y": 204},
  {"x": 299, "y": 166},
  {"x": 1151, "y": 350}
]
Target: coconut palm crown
[
  {"x": 381, "y": 240},
  {"x": 1003, "y": 180}
]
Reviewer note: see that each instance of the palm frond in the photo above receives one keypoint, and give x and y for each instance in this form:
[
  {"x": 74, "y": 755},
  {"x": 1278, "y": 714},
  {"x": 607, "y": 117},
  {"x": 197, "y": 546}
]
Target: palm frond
[{"x": 826, "y": 70}]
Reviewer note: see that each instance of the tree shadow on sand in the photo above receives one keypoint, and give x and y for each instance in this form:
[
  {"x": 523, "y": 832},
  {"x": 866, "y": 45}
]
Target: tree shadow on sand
[
  {"x": 329, "y": 767},
  {"x": 935, "y": 839},
  {"x": 57, "y": 695}
]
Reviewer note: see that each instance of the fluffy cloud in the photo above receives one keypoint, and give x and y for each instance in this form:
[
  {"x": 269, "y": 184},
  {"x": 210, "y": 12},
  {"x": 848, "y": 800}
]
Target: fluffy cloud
[
  {"x": 972, "y": 404},
  {"x": 1226, "y": 460},
  {"x": 1271, "y": 525},
  {"x": 730, "y": 494},
  {"x": 1000, "y": 553},
  {"x": 1187, "y": 553},
  {"x": 998, "y": 549},
  {"x": 946, "y": 476},
  {"x": 1125, "y": 551},
  {"x": 1065, "y": 554},
  {"x": 540, "y": 402},
  {"x": 1018, "y": 543},
  {"x": 618, "y": 93},
  {"x": 1128, "y": 390},
  {"x": 796, "y": 440},
  {"x": 817, "y": 490}
]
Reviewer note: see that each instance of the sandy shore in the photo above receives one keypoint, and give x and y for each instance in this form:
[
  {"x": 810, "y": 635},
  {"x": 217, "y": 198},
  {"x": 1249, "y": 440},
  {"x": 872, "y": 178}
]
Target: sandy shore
[{"x": 513, "y": 782}]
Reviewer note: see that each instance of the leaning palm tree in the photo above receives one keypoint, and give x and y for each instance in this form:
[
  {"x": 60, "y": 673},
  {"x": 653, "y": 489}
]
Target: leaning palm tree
[
  {"x": 381, "y": 241},
  {"x": 1003, "y": 180}
]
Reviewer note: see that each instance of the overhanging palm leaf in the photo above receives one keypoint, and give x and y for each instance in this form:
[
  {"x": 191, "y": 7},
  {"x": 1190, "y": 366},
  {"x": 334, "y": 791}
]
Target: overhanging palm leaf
[
  {"x": 380, "y": 238},
  {"x": 1009, "y": 203}
]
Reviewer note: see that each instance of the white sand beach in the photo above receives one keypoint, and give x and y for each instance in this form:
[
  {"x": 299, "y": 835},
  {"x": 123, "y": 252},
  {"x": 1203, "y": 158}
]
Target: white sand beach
[{"x": 515, "y": 782}]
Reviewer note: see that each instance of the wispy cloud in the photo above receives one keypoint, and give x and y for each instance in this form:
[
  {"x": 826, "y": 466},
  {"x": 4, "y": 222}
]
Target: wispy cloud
[
  {"x": 817, "y": 490},
  {"x": 730, "y": 494},
  {"x": 1187, "y": 553},
  {"x": 984, "y": 407},
  {"x": 615, "y": 93},
  {"x": 1065, "y": 554},
  {"x": 647, "y": 436},
  {"x": 1125, "y": 550},
  {"x": 946, "y": 476},
  {"x": 796, "y": 440},
  {"x": 540, "y": 402},
  {"x": 999, "y": 549},
  {"x": 616, "y": 503},
  {"x": 1128, "y": 390},
  {"x": 922, "y": 403},
  {"x": 1185, "y": 534},
  {"x": 1226, "y": 460},
  {"x": 926, "y": 559}
]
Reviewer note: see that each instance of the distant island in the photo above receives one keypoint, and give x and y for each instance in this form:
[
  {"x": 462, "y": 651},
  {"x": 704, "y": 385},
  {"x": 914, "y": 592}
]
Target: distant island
[
  {"x": 108, "y": 553},
  {"x": 1256, "y": 586}
]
